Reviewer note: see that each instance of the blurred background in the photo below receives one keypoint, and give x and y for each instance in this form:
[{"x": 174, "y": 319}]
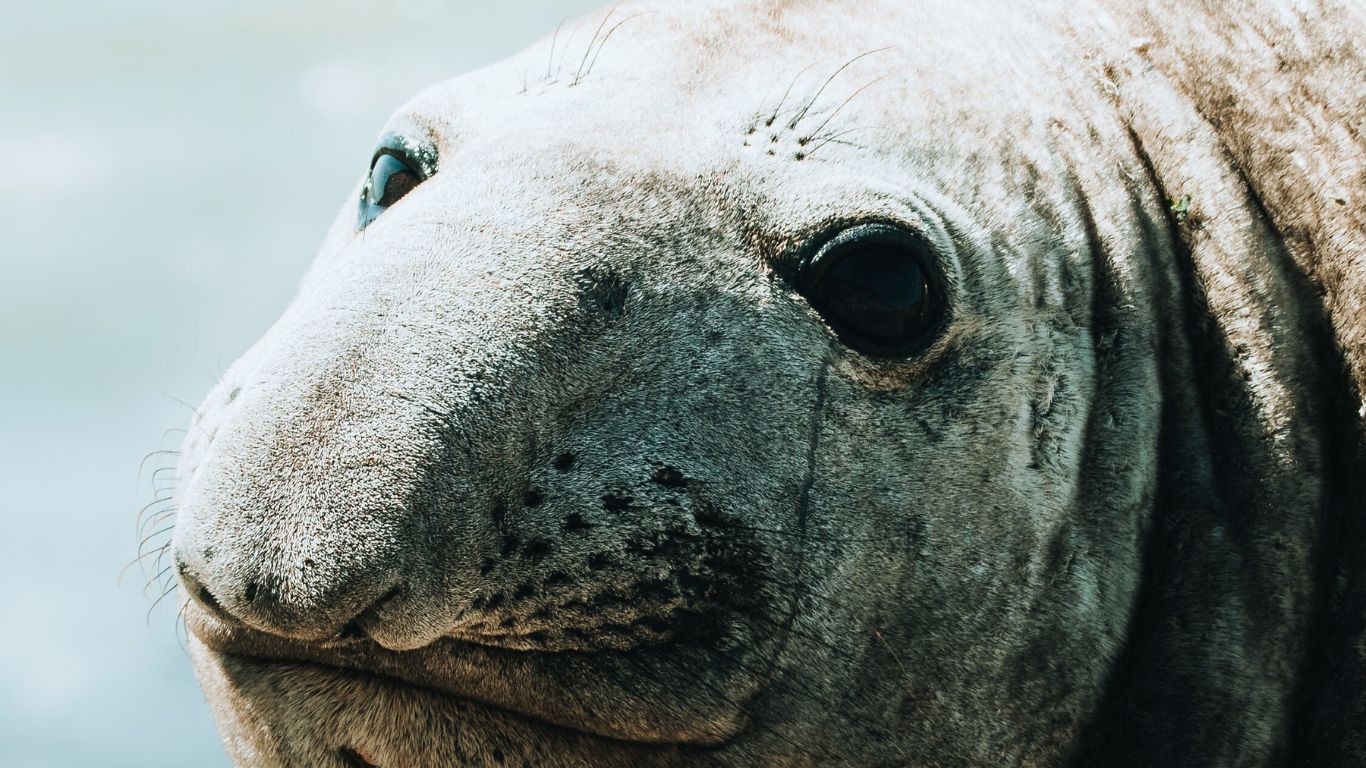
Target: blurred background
[{"x": 167, "y": 168}]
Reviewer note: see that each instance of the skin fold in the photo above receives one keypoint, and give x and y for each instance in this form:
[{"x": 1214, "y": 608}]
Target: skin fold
[{"x": 556, "y": 463}]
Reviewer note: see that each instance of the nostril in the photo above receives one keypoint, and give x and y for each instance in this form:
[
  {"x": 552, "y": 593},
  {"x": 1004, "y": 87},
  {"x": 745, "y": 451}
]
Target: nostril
[
  {"x": 353, "y": 759},
  {"x": 196, "y": 588},
  {"x": 352, "y": 631},
  {"x": 388, "y": 596},
  {"x": 206, "y": 597},
  {"x": 251, "y": 591}
]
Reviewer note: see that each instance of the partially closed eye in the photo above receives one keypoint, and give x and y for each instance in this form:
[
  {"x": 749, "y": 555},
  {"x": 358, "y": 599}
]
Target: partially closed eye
[
  {"x": 394, "y": 172},
  {"x": 390, "y": 180}
]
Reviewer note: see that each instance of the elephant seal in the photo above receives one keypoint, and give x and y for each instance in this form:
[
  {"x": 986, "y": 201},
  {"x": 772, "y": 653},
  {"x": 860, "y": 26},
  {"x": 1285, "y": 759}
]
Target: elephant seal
[{"x": 811, "y": 384}]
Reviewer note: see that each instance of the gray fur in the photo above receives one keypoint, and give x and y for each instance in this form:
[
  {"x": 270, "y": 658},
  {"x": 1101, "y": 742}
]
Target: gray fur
[{"x": 604, "y": 490}]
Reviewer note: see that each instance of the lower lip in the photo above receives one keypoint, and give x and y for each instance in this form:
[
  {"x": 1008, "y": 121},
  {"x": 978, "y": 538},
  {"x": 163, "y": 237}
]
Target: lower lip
[{"x": 458, "y": 671}]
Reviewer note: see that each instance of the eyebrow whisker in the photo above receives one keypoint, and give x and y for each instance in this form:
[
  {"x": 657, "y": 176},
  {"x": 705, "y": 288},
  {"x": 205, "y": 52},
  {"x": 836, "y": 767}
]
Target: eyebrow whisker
[
  {"x": 844, "y": 103},
  {"x": 589, "y": 71},
  {"x": 578, "y": 74},
  {"x": 550, "y": 60},
  {"x": 829, "y": 80}
]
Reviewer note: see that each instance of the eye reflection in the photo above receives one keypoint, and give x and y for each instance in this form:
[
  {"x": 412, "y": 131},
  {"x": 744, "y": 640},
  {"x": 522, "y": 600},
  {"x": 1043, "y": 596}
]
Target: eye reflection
[
  {"x": 397, "y": 169},
  {"x": 874, "y": 285},
  {"x": 390, "y": 180}
]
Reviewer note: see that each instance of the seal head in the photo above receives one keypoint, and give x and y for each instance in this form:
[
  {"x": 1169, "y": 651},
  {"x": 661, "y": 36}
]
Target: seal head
[{"x": 802, "y": 402}]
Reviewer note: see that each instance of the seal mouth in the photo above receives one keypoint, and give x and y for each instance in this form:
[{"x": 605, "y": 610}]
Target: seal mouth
[
  {"x": 664, "y": 694},
  {"x": 365, "y": 750}
]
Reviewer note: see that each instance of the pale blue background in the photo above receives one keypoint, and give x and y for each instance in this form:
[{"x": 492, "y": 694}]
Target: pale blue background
[{"x": 167, "y": 168}]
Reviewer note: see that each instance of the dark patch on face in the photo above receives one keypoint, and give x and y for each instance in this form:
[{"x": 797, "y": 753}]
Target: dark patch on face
[
  {"x": 487, "y": 567},
  {"x": 615, "y": 502},
  {"x": 661, "y": 591},
  {"x": 535, "y": 549},
  {"x": 603, "y": 601},
  {"x": 653, "y": 624},
  {"x": 603, "y": 292},
  {"x": 576, "y": 522},
  {"x": 523, "y": 592},
  {"x": 669, "y": 477},
  {"x": 557, "y": 579},
  {"x": 510, "y": 545},
  {"x": 708, "y": 516},
  {"x": 564, "y": 462},
  {"x": 533, "y": 498},
  {"x": 933, "y": 433},
  {"x": 499, "y": 513},
  {"x": 598, "y": 561},
  {"x": 693, "y": 586}
]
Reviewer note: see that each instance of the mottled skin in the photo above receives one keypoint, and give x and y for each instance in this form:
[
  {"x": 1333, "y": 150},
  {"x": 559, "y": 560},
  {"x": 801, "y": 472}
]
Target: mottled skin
[{"x": 551, "y": 465}]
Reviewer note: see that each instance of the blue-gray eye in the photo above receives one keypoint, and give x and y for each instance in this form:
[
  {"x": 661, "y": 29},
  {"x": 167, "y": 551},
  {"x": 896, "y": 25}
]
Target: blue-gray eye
[
  {"x": 874, "y": 285},
  {"x": 394, "y": 172}
]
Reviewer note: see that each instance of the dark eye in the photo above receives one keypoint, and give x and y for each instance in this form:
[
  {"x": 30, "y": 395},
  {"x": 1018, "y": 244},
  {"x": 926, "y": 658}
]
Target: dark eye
[
  {"x": 875, "y": 286},
  {"x": 397, "y": 168}
]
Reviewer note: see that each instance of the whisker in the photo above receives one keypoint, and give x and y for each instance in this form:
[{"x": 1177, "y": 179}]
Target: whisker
[
  {"x": 787, "y": 93},
  {"x": 827, "y": 82},
  {"x": 144, "y": 553},
  {"x": 159, "y": 471},
  {"x": 182, "y": 628},
  {"x": 564, "y": 51},
  {"x": 157, "y": 519},
  {"x": 605, "y": 37},
  {"x": 154, "y": 534},
  {"x": 155, "y": 579},
  {"x": 844, "y": 103},
  {"x": 157, "y": 602},
  {"x": 148, "y": 456},
  {"x": 138, "y": 560},
  {"x": 834, "y": 138},
  {"x": 148, "y": 506},
  {"x": 578, "y": 74},
  {"x": 550, "y": 60},
  {"x": 193, "y": 410},
  {"x": 156, "y": 563}
]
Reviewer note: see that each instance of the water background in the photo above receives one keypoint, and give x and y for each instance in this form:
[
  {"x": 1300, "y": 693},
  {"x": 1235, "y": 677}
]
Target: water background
[{"x": 167, "y": 169}]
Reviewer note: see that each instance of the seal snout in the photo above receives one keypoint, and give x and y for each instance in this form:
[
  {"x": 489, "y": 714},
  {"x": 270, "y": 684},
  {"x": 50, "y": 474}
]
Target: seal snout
[
  {"x": 303, "y": 523},
  {"x": 298, "y": 605}
]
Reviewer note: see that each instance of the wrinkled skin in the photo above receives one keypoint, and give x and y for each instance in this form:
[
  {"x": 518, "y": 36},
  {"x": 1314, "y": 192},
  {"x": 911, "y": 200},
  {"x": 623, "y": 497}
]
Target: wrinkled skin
[{"x": 552, "y": 465}]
